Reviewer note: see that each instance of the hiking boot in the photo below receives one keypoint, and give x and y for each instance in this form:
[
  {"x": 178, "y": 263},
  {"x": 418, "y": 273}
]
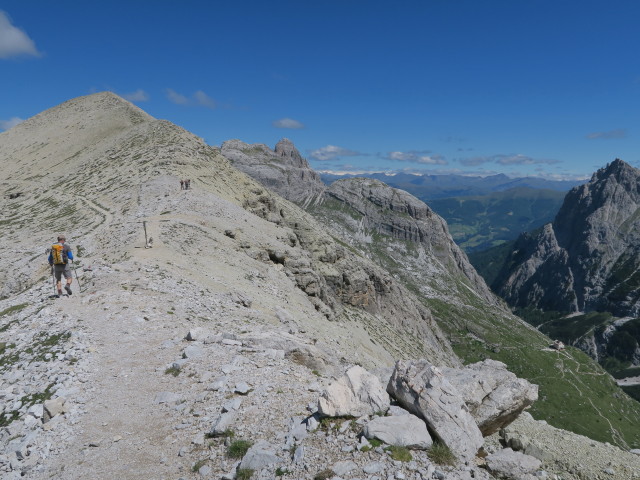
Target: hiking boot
[{"x": 68, "y": 289}]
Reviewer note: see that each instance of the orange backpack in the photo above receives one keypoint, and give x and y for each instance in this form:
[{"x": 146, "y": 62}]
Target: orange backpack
[{"x": 58, "y": 254}]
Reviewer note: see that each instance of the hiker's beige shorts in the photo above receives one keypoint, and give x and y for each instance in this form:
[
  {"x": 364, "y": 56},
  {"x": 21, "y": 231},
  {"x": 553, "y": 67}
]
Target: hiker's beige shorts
[{"x": 59, "y": 270}]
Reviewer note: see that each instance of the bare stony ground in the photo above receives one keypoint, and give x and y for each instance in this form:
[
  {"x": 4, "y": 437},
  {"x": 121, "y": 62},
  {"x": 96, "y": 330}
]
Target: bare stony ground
[{"x": 104, "y": 383}]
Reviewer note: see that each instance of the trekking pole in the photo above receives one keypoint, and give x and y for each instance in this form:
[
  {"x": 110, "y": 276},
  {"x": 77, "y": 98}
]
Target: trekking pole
[
  {"x": 76, "y": 272},
  {"x": 53, "y": 277}
]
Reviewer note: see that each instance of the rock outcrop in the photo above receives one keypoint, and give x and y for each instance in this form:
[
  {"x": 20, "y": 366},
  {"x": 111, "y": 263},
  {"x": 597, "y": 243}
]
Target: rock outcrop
[
  {"x": 423, "y": 390},
  {"x": 401, "y": 431},
  {"x": 494, "y": 396},
  {"x": 356, "y": 393},
  {"x": 516, "y": 465},
  {"x": 282, "y": 170}
]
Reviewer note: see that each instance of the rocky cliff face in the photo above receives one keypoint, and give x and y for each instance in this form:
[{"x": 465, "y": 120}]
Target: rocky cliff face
[
  {"x": 401, "y": 217},
  {"x": 282, "y": 170},
  {"x": 587, "y": 259}
]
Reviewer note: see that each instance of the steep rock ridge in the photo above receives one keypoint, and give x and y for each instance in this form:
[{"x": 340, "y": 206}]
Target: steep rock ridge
[
  {"x": 588, "y": 258},
  {"x": 282, "y": 170},
  {"x": 337, "y": 281},
  {"x": 400, "y": 215}
]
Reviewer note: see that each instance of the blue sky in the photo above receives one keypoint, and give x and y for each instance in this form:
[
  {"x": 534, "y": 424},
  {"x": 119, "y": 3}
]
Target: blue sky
[{"x": 531, "y": 87}]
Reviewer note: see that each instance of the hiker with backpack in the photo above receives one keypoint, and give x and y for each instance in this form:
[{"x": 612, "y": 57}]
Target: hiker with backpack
[{"x": 59, "y": 257}]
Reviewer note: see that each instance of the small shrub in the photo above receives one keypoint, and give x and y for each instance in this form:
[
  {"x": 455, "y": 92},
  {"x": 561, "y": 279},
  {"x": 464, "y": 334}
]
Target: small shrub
[
  {"x": 281, "y": 472},
  {"x": 238, "y": 448},
  {"x": 401, "y": 454},
  {"x": 374, "y": 442},
  {"x": 244, "y": 474},
  {"x": 440, "y": 454},
  {"x": 173, "y": 370},
  {"x": 198, "y": 465},
  {"x": 228, "y": 433},
  {"x": 324, "y": 474}
]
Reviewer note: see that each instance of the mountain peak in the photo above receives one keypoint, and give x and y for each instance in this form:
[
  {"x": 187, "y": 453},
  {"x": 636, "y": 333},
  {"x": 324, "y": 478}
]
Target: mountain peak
[
  {"x": 618, "y": 169},
  {"x": 286, "y": 149},
  {"x": 283, "y": 170}
]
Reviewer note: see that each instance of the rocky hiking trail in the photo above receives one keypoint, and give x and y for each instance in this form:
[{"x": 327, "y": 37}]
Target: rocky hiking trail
[
  {"x": 125, "y": 416},
  {"x": 122, "y": 415}
]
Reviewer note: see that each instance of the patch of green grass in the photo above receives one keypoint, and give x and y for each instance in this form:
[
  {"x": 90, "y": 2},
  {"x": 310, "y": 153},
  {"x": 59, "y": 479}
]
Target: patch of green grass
[
  {"x": 13, "y": 309},
  {"x": 324, "y": 474},
  {"x": 402, "y": 454},
  {"x": 198, "y": 465},
  {"x": 228, "y": 433},
  {"x": 244, "y": 474},
  {"x": 440, "y": 454},
  {"x": 374, "y": 442},
  {"x": 238, "y": 448},
  {"x": 328, "y": 423},
  {"x": 280, "y": 472},
  {"x": 26, "y": 401},
  {"x": 173, "y": 370}
]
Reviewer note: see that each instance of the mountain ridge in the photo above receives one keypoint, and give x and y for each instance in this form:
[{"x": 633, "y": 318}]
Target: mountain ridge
[
  {"x": 580, "y": 253},
  {"x": 435, "y": 186}
]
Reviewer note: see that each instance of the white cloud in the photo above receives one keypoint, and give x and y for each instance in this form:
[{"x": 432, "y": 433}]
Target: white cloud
[
  {"x": 510, "y": 159},
  {"x": 176, "y": 97},
  {"x": 204, "y": 100},
  {"x": 13, "y": 41},
  {"x": 137, "y": 96},
  {"x": 199, "y": 99},
  {"x": 618, "y": 133},
  {"x": 288, "y": 123},
  {"x": 12, "y": 122},
  {"x": 331, "y": 152},
  {"x": 417, "y": 157}
]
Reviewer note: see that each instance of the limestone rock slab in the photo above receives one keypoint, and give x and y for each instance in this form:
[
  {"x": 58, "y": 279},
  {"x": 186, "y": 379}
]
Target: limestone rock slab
[
  {"x": 494, "y": 395},
  {"x": 401, "y": 431},
  {"x": 356, "y": 393},
  {"x": 423, "y": 390}
]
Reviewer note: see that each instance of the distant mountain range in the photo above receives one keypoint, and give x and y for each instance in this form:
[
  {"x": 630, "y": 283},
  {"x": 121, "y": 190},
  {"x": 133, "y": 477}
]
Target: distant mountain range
[
  {"x": 482, "y": 212},
  {"x": 431, "y": 187}
]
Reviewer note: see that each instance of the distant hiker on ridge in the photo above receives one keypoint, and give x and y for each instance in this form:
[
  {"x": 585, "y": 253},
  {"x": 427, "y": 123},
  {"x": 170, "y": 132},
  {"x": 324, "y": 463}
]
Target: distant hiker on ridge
[
  {"x": 181, "y": 184},
  {"x": 59, "y": 257}
]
